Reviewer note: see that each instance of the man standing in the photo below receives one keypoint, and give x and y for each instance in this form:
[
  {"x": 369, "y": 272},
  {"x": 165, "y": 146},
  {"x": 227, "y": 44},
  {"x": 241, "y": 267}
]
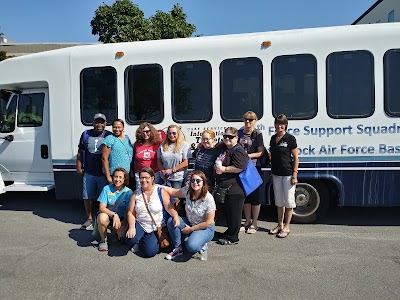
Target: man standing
[{"x": 88, "y": 164}]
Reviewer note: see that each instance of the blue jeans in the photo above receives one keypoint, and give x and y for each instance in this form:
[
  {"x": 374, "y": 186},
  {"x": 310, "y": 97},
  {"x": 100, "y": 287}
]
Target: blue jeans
[
  {"x": 150, "y": 246},
  {"x": 196, "y": 239}
]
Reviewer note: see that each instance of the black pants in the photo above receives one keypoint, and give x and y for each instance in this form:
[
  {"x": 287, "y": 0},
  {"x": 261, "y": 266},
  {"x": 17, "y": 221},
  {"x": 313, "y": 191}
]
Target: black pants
[{"x": 233, "y": 213}]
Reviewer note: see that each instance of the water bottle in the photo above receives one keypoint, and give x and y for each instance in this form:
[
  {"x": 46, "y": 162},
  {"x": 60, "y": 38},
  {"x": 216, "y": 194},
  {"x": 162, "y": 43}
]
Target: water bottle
[
  {"x": 218, "y": 163},
  {"x": 204, "y": 252}
]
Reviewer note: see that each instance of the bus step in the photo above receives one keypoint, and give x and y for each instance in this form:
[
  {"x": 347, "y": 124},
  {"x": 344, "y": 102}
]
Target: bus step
[{"x": 29, "y": 187}]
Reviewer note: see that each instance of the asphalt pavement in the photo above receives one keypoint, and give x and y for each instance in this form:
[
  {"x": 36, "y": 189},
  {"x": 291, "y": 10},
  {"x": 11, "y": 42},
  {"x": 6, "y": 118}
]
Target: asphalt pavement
[{"x": 353, "y": 253}]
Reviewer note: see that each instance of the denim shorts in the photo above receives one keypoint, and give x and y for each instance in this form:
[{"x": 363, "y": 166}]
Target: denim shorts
[{"x": 92, "y": 186}]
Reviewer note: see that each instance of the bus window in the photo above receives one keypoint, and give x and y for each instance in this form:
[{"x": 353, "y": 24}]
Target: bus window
[
  {"x": 294, "y": 86},
  {"x": 191, "y": 92},
  {"x": 241, "y": 88},
  {"x": 391, "y": 62},
  {"x": 30, "y": 110},
  {"x": 8, "y": 125},
  {"x": 144, "y": 94},
  {"x": 350, "y": 84},
  {"x": 98, "y": 93}
]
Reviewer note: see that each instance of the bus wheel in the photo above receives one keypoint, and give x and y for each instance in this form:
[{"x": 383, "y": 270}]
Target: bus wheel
[{"x": 312, "y": 201}]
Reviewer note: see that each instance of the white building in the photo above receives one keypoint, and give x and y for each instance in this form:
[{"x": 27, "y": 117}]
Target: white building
[{"x": 383, "y": 11}]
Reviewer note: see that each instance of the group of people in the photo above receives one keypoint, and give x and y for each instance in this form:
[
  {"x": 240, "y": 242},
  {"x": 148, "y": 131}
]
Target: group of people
[{"x": 107, "y": 160}]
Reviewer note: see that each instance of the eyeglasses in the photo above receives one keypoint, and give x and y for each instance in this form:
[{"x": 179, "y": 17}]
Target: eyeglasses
[
  {"x": 206, "y": 139},
  {"x": 198, "y": 180},
  {"x": 248, "y": 120},
  {"x": 146, "y": 131},
  {"x": 228, "y": 136},
  {"x": 172, "y": 133},
  {"x": 147, "y": 178}
]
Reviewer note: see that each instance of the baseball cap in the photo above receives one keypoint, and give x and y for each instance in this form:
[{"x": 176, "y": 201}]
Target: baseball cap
[{"x": 99, "y": 116}]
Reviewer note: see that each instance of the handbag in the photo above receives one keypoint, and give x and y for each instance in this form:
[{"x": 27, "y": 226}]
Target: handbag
[
  {"x": 164, "y": 239},
  {"x": 250, "y": 178},
  {"x": 219, "y": 193}
]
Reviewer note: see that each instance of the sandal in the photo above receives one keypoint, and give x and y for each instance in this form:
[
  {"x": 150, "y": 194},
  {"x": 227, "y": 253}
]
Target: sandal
[
  {"x": 252, "y": 229},
  {"x": 244, "y": 227},
  {"x": 276, "y": 230},
  {"x": 283, "y": 234}
]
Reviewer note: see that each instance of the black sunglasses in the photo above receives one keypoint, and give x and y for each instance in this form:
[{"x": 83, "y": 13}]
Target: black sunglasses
[
  {"x": 146, "y": 131},
  {"x": 248, "y": 120},
  {"x": 228, "y": 136},
  {"x": 198, "y": 180}
]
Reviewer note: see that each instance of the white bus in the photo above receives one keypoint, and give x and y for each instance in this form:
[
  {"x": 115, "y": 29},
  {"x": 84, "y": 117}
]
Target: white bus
[{"x": 338, "y": 86}]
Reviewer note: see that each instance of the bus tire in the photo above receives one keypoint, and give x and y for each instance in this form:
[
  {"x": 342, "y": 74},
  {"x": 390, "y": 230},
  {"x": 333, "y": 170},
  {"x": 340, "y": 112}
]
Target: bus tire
[{"x": 312, "y": 201}]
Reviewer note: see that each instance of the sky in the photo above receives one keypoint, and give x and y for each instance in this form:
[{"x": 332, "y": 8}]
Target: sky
[{"x": 56, "y": 21}]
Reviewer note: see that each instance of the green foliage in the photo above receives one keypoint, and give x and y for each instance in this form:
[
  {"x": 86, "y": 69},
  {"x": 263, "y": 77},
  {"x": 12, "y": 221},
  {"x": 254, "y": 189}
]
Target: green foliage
[{"x": 125, "y": 22}]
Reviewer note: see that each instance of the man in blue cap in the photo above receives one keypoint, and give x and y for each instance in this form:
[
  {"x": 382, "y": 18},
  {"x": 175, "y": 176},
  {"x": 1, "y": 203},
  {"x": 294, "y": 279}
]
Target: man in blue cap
[{"x": 88, "y": 164}]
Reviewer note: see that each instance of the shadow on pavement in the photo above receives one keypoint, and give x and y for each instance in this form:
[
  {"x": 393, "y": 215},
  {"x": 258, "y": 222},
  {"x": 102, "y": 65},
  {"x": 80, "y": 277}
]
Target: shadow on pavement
[{"x": 66, "y": 211}]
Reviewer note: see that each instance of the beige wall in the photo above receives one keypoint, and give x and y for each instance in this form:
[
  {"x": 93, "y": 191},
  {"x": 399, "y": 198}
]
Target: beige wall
[
  {"x": 23, "y": 49},
  {"x": 379, "y": 13}
]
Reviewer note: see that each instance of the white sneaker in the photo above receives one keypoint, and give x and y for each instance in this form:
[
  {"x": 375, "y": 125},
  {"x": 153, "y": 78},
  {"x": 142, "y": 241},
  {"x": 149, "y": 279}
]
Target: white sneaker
[
  {"x": 135, "y": 248},
  {"x": 175, "y": 253},
  {"x": 88, "y": 225}
]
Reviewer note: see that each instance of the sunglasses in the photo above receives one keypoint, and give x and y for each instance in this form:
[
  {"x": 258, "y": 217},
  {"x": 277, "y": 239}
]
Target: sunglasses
[
  {"x": 147, "y": 178},
  {"x": 198, "y": 180},
  {"x": 146, "y": 131},
  {"x": 248, "y": 120},
  {"x": 172, "y": 133},
  {"x": 229, "y": 136}
]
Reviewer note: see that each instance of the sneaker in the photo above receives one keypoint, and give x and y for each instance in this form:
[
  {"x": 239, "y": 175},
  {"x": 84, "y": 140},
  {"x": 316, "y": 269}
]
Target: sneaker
[
  {"x": 227, "y": 242},
  {"x": 88, "y": 225},
  {"x": 175, "y": 253},
  {"x": 103, "y": 246},
  {"x": 135, "y": 248}
]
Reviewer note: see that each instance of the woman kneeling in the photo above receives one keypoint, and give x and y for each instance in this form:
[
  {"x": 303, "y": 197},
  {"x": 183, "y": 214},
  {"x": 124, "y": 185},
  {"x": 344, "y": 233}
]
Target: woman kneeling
[
  {"x": 112, "y": 207},
  {"x": 198, "y": 226},
  {"x": 145, "y": 214}
]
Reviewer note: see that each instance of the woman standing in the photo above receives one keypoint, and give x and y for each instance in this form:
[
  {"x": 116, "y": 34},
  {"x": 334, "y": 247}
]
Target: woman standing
[
  {"x": 117, "y": 150},
  {"x": 251, "y": 140},
  {"x": 112, "y": 207},
  {"x": 145, "y": 150},
  {"x": 199, "y": 222},
  {"x": 205, "y": 157},
  {"x": 234, "y": 160},
  {"x": 284, "y": 166},
  {"x": 146, "y": 205},
  {"x": 173, "y": 157}
]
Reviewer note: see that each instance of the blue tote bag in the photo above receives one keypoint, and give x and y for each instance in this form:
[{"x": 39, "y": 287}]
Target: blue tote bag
[{"x": 249, "y": 177}]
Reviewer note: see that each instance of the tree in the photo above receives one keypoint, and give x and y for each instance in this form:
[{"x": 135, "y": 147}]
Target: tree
[
  {"x": 171, "y": 25},
  {"x": 4, "y": 56},
  {"x": 125, "y": 22}
]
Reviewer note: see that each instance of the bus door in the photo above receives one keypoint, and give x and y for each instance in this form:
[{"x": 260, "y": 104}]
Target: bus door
[{"x": 25, "y": 156}]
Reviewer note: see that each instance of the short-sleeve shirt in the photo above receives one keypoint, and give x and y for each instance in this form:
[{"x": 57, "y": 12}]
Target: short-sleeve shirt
[
  {"x": 109, "y": 195},
  {"x": 250, "y": 143},
  {"x": 155, "y": 207},
  {"x": 91, "y": 147},
  {"x": 281, "y": 154},
  {"x": 121, "y": 152},
  {"x": 237, "y": 157},
  {"x": 146, "y": 156},
  {"x": 205, "y": 160},
  {"x": 170, "y": 159},
  {"x": 196, "y": 210}
]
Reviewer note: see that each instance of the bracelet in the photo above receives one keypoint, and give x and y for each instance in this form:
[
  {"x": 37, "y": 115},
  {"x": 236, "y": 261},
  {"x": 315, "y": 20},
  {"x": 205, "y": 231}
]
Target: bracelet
[
  {"x": 295, "y": 171},
  {"x": 173, "y": 170}
]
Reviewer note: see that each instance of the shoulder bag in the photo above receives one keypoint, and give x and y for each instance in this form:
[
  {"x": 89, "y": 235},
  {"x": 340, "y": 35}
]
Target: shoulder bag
[{"x": 162, "y": 232}]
